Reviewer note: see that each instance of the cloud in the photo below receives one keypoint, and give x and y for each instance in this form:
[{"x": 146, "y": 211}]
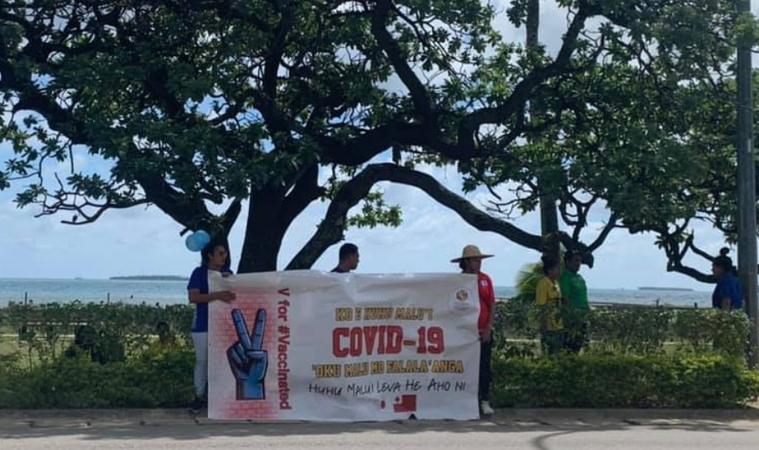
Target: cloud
[{"x": 121, "y": 242}]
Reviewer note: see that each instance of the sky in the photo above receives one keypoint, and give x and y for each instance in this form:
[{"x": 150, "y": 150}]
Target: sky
[{"x": 143, "y": 240}]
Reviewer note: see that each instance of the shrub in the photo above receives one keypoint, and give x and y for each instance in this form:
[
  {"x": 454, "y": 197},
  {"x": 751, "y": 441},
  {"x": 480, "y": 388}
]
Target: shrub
[
  {"x": 712, "y": 330},
  {"x": 624, "y": 381},
  {"x": 155, "y": 379},
  {"x": 627, "y": 330},
  {"x": 630, "y": 330},
  {"x": 44, "y": 330}
]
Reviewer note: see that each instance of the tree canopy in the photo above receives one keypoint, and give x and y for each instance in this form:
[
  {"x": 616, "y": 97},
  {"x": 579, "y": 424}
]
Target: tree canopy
[
  {"x": 644, "y": 132},
  {"x": 286, "y": 103}
]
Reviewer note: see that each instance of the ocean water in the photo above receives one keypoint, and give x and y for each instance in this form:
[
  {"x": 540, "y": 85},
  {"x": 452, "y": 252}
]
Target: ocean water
[
  {"x": 65, "y": 290},
  {"x": 702, "y": 299},
  {"x": 173, "y": 292}
]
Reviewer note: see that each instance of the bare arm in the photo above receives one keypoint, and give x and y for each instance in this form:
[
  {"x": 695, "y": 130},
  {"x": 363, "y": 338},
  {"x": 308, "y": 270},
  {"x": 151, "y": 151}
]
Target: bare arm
[
  {"x": 195, "y": 296},
  {"x": 486, "y": 335}
]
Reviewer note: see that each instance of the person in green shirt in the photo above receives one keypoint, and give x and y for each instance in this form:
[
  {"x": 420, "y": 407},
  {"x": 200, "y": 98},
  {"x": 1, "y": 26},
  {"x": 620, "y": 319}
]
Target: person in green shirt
[{"x": 575, "y": 292}]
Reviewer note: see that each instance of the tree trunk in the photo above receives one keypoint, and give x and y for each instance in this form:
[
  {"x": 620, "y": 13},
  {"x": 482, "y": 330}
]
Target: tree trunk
[
  {"x": 264, "y": 231},
  {"x": 271, "y": 211},
  {"x": 549, "y": 217},
  {"x": 549, "y": 223},
  {"x": 533, "y": 23}
]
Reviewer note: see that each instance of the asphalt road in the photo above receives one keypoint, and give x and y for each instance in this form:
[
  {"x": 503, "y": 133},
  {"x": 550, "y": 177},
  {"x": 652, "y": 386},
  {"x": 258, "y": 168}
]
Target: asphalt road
[{"x": 587, "y": 430}]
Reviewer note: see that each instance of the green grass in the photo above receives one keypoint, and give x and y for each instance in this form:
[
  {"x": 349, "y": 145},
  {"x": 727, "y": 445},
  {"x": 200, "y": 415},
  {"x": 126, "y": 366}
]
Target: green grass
[{"x": 8, "y": 344}]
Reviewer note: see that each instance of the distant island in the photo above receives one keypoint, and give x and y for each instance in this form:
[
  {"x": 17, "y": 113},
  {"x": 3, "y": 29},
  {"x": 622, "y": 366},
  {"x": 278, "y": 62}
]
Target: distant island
[
  {"x": 653, "y": 288},
  {"x": 151, "y": 278}
]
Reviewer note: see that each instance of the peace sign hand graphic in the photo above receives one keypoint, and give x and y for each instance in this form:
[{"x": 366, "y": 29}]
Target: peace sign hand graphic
[{"x": 246, "y": 358}]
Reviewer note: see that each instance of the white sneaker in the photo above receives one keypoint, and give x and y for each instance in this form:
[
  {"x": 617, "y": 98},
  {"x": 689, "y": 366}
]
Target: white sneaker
[{"x": 486, "y": 409}]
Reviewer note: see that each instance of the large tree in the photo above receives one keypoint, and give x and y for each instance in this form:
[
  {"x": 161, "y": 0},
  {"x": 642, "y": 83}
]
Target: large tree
[
  {"x": 655, "y": 141},
  {"x": 217, "y": 102},
  {"x": 223, "y": 101},
  {"x": 642, "y": 129}
]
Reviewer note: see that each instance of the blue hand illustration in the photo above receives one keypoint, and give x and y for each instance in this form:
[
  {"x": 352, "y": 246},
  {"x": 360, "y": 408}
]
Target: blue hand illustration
[{"x": 246, "y": 359}]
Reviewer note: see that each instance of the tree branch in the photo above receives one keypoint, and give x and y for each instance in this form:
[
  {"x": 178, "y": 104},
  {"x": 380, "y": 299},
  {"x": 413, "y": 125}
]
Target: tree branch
[
  {"x": 366, "y": 146},
  {"x": 611, "y": 224},
  {"x": 525, "y": 88},
  {"x": 676, "y": 254},
  {"x": 689, "y": 244},
  {"x": 332, "y": 228},
  {"x": 305, "y": 191},
  {"x": 230, "y": 216},
  {"x": 394, "y": 52}
]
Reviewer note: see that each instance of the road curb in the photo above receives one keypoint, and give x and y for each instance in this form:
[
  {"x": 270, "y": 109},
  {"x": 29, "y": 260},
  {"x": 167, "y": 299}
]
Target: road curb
[{"x": 83, "y": 418}]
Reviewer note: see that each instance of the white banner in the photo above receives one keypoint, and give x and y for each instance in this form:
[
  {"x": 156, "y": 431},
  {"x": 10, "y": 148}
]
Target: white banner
[{"x": 306, "y": 345}]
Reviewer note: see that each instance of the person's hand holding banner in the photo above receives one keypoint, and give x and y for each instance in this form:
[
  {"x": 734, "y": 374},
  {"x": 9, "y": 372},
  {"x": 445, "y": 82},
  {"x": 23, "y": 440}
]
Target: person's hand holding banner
[{"x": 246, "y": 358}]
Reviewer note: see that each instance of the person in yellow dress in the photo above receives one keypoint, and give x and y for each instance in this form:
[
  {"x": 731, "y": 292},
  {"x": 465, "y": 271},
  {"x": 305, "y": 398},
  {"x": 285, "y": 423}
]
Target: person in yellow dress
[{"x": 549, "y": 300}]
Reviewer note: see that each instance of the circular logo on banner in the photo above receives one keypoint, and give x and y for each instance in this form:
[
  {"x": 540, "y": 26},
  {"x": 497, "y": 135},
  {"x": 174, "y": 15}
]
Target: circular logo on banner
[{"x": 462, "y": 299}]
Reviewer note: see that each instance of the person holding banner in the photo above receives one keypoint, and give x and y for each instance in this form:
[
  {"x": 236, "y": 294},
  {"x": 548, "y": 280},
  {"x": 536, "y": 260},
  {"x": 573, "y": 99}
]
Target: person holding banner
[
  {"x": 214, "y": 256},
  {"x": 348, "y": 259},
  {"x": 471, "y": 262}
]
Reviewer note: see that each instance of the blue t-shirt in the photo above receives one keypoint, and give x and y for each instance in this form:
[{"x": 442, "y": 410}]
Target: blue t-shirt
[
  {"x": 199, "y": 281},
  {"x": 729, "y": 286}
]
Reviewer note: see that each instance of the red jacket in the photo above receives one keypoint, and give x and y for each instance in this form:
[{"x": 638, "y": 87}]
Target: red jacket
[{"x": 487, "y": 300}]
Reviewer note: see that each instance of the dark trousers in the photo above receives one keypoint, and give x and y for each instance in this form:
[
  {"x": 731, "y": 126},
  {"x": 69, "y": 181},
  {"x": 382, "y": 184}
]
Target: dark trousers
[
  {"x": 486, "y": 351},
  {"x": 553, "y": 342},
  {"x": 577, "y": 337}
]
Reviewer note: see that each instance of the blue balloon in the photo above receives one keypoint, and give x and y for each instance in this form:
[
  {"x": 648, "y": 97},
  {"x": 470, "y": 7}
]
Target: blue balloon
[
  {"x": 192, "y": 243},
  {"x": 196, "y": 241},
  {"x": 203, "y": 238}
]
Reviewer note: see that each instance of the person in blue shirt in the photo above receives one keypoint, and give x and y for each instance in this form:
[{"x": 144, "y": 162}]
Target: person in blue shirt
[
  {"x": 728, "y": 294},
  {"x": 215, "y": 256}
]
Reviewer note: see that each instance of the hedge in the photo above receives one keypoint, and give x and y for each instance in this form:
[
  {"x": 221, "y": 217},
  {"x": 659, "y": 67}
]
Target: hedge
[
  {"x": 594, "y": 381},
  {"x": 160, "y": 379},
  {"x": 624, "y": 367},
  {"x": 45, "y": 330},
  {"x": 42, "y": 328},
  {"x": 624, "y": 381},
  {"x": 628, "y": 330}
]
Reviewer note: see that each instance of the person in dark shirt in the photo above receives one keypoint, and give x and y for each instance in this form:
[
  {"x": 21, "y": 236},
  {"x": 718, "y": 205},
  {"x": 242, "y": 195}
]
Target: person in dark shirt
[
  {"x": 728, "y": 293},
  {"x": 348, "y": 259}
]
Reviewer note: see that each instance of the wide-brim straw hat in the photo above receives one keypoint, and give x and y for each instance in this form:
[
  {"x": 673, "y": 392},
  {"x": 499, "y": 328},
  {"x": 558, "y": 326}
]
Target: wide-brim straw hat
[{"x": 471, "y": 252}]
